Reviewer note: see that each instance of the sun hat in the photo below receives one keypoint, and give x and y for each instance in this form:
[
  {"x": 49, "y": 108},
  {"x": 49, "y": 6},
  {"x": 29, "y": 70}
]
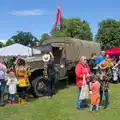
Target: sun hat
[
  {"x": 103, "y": 65},
  {"x": 46, "y": 57}
]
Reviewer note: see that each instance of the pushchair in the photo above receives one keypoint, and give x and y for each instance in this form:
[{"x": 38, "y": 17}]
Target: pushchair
[{"x": 115, "y": 72}]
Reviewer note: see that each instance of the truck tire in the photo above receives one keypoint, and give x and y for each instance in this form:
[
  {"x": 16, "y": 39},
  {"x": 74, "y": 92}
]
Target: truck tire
[{"x": 39, "y": 88}]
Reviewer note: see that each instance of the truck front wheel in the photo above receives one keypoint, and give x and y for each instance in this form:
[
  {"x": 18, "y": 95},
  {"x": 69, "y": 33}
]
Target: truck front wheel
[{"x": 39, "y": 88}]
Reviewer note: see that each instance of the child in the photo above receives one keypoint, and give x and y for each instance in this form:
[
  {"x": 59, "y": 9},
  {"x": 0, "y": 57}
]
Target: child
[
  {"x": 12, "y": 83},
  {"x": 95, "y": 97}
]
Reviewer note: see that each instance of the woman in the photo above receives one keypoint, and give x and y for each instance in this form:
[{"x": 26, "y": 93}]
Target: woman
[
  {"x": 82, "y": 69},
  {"x": 23, "y": 73},
  {"x": 3, "y": 70},
  {"x": 105, "y": 77}
]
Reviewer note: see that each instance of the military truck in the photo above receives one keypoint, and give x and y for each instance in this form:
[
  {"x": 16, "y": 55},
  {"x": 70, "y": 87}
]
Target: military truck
[{"x": 67, "y": 52}]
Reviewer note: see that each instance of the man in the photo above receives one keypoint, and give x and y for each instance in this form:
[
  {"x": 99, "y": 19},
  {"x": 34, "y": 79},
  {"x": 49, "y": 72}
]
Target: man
[
  {"x": 92, "y": 63},
  {"x": 51, "y": 70},
  {"x": 100, "y": 59}
]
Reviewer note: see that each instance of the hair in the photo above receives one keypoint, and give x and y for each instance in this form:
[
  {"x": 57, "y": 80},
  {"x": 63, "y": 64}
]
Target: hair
[
  {"x": 93, "y": 54},
  {"x": 21, "y": 62},
  {"x": 83, "y": 57},
  {"x": 96, "y": 78}
]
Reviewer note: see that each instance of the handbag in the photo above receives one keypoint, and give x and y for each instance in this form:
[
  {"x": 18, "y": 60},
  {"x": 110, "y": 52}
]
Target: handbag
[{"x": 84, "y": 94}]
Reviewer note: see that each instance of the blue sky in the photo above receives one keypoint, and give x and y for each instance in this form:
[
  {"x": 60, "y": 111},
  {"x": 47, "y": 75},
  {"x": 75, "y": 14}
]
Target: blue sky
[{"x": 38, "y": 16}]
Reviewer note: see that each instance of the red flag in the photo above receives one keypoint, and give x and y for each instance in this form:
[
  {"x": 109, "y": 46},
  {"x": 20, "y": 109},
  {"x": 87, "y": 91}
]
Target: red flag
[{"x": 58, "y": 22}]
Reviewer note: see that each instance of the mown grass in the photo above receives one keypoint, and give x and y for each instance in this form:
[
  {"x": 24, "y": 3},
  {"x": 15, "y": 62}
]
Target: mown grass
[{"x": 62, "y": 107}]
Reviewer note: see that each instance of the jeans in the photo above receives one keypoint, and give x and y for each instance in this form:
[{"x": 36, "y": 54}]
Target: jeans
[
  {"x": 12, "y": 96},
  {"x": 106, "y": 97},
  {"x": 1, "y": 95},
  {"x": 81, "y": 103},
  {"x": 22, "y": 92},
  {"x": 51, "y": 86}
]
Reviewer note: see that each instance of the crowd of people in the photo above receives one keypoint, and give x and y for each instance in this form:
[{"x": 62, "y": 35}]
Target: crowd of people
[
  {"x": 17, "y": 75},
  {"x": 92, "y": 79},
  {"x": 16, "y": 78}
]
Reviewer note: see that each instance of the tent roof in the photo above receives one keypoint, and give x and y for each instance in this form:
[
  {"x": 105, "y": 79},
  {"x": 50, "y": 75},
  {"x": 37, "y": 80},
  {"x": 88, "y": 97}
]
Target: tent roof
[
  {"x": 113, "y": 51},
  {"x": 18, "y": 50}
]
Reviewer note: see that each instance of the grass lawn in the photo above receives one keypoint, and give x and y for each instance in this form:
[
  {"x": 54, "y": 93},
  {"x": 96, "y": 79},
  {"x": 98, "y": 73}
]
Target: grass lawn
[{"x": 62, "y": 107}]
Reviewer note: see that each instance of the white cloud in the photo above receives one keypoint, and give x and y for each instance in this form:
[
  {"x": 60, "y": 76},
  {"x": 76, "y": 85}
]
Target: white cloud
[{"x": 27, "y": 12}]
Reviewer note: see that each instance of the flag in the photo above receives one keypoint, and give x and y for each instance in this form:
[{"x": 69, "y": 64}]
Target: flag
[{"x": 59, "y": 19}]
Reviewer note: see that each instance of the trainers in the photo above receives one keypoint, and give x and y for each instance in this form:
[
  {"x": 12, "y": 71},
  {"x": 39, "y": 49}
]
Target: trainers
[
  {"x": 80, "y": 108},
  {"x": 106, "y": 108}
]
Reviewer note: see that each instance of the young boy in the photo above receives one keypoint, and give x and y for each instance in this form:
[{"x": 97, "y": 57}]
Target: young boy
[{"x": 95, "y": 97}]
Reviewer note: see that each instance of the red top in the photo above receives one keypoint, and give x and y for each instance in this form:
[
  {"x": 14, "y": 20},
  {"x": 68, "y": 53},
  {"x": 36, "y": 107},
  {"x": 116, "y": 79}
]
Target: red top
[{"x": 80, "y": 71}]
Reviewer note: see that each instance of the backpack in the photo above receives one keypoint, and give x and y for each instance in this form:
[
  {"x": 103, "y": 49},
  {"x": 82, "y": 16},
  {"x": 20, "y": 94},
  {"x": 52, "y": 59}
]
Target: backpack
[{"x": 2, "y": 74}]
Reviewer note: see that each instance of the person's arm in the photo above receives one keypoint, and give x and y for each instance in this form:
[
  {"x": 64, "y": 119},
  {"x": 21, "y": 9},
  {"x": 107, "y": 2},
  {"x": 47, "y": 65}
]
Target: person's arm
[
  {"x": 117, "y": 64},
  {"x": 8, "y": 82},
  {"x": 91, "y": 85},
  {"x": 78, "y": 71}
]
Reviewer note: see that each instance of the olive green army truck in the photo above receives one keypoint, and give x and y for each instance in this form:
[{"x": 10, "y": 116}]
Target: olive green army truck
[{"x": 67, "y": 52}]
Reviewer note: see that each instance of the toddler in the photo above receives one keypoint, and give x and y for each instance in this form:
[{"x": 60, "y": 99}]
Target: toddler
[
  {"x": 12, "y": 84},
  {"x": 95, "y": 97}
]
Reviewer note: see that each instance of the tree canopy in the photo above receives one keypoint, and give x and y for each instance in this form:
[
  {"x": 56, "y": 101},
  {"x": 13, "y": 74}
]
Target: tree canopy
[
  {"x": 25, "y": 38},
  {"x": 74, "y": 28},
  {"x": 108, "y": 34},
  {"x": 1, "y": 44},
  {"x": 9, "y": 42},
  {"x": 44, "y": 37}
]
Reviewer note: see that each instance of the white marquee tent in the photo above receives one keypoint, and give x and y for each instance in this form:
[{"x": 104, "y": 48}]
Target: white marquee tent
[{"x": 18, "y": 50}]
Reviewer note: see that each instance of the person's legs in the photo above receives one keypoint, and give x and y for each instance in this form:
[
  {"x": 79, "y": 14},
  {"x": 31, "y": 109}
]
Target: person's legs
[
  {"x": 97, "y": 107},
  {"x": 20, "y": 95},
  {"x": 84, "y": 103},
  {"x": 106, "y": 99},
  {"x": 49, "y": 88},
  {"x": 23, "y": 94},
  {"x": 53, "y": 86},
  {"x": 91, "y": 107},
  {"x": 13, "y": 98},
  {"x": 10, "y": 98},
  {"x": 2, "y": 95},
  {"x": 101, "y": 94},
  {"x": 79, "y": 103}
]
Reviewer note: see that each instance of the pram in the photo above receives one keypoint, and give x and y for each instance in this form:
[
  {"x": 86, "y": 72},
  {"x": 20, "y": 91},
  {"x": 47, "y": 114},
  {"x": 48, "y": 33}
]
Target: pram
[{"x": 115, "y": 74}]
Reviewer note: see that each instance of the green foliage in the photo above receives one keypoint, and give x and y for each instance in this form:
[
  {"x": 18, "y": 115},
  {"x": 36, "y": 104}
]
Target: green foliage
[
  {"x": 1, "y": 44},
  {"x": 108, "y": 34},
  {"x": 44, "y": 37},
  {"x": 25, "y": 38},
  {"x": 9, "y": 42},
  {"x": 74, "y": 28}
]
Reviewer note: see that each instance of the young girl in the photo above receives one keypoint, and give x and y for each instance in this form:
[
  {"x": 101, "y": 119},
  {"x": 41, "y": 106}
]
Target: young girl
[
  {"x": 12, "y": 83},
  {"x": 95, "y": 97}
]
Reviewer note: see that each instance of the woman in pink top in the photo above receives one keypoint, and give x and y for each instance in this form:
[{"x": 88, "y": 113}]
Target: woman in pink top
[{"x": 95, "y": 97}]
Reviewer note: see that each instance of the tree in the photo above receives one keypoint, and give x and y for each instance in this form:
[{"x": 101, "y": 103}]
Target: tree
[
  {"x": 9, "y": 42},
  {"x": 25, "y": 38},
  {"x": 108, "y": 34},
  {"x": 74, "y": 28},
  {"x": 44, "y": 37},
  {"x": 1, "y": 44}
]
